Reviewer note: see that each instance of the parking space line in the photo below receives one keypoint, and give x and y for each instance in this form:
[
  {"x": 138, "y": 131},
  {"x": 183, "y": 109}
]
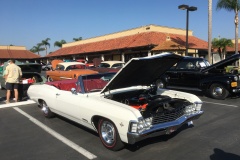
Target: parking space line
[
  {"x": 57, "y": 135},
  {"x": 16, "y": 104},
  {"x": 222, "y": 104}
]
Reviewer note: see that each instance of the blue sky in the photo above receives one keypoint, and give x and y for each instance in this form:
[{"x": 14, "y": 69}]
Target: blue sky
[{"x": 28, "y": 22}]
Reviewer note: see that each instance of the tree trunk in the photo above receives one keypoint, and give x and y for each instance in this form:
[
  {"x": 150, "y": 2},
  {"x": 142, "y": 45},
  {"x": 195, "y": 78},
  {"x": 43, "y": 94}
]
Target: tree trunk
[{"x": 236, "y": 31}]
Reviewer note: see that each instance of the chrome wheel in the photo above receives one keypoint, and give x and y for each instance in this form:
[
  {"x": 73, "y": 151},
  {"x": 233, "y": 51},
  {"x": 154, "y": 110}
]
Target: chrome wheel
[
  {"x": 46, "y": 110},
  {"x": 160, "y": 84},
  {"x": 218, "y": 91},
  {"x": 107, "y": 132}
]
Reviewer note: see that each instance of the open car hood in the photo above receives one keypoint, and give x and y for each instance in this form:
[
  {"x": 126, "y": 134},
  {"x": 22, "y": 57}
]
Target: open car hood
[
  {"x": 26, "y": 67},
  {"x": 142, "y": 71},
  {"x": 223, "y": 63}
]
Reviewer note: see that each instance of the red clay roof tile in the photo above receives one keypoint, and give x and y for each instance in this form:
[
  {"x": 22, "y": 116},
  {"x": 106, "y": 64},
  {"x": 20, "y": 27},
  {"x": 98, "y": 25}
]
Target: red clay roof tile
[
  {"x": 17, "y": 54},
  {"x": 132, "y": 41}
]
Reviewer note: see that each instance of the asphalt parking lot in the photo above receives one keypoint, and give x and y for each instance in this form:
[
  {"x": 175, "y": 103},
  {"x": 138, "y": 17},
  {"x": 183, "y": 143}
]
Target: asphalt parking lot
[{"x": 26, "y": 134}]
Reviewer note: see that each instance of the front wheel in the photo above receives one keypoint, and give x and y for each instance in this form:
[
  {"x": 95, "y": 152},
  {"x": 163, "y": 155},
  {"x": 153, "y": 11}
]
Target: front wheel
[
  {"x": 109, "y": 135},
  {"x": 218, "y": 91}
]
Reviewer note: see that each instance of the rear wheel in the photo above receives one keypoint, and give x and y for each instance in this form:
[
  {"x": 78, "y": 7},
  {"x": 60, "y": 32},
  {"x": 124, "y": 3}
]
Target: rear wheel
[
  {"x": 160, "y": 84},
  {"x": 109, "y": 135},
  {"x": 46, "y": 110},
  {"x": 218, "y": 91}
]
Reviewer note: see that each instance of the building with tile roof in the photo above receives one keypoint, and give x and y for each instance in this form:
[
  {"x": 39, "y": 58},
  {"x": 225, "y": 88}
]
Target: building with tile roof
[
  {"x": 16, "y": 52},
  {"x": 137, "y": 42}
]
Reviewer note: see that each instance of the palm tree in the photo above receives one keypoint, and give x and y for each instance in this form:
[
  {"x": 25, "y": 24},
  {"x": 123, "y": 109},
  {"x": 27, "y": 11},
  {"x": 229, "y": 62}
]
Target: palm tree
[
  {"x": 45, "y": 44},
  {"x": 209, "y": 30},
  {"x": 221, "y": 45},
  {"x": 231, "y": 5},
  {"x": 37, "y": 48},
  {"x": 59, "y": 43},
  {"x": 77, "y": 39}
]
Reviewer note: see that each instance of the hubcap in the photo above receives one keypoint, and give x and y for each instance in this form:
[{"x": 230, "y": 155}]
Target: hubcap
[
  {"x": 160, "y": 85},
  {"x": 107, "y": 132},
  {"x": 217, "y": 91},
  {"x": 45, "y": 108}
]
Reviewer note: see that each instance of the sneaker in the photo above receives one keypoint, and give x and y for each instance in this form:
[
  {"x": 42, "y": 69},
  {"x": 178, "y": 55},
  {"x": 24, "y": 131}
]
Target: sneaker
[{"x": 7, "y": 102}]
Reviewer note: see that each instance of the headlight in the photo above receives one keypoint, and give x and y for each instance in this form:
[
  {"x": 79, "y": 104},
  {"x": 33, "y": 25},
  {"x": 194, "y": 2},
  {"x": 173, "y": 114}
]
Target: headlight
[
  {"x": 141, "y": 125},
  {"x": 235, "y": 78},
  {"x": 190, "y": 109},
  {"x": 198, "y": 106}
]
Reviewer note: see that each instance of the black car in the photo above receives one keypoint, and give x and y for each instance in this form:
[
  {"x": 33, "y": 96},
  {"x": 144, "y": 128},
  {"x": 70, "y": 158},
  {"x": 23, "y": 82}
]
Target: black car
[
  {"x": 196, "y": 74},
  {"x": 31, "y": 74}
]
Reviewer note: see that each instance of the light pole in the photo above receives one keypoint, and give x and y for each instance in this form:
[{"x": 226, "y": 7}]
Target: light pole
[{"x": 192, "y": 8}]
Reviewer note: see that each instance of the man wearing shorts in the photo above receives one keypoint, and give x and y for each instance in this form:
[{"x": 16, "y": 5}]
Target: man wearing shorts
[{"x": 13, "y": 74}]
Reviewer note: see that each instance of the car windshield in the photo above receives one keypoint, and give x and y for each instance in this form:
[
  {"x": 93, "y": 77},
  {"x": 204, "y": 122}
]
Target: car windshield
[
  {"x": 96, "y": 82},
  {"x": 117, "y": 65},
  {"x": 104, "y": 65},
  {"x": 60, "y": 67},
  {"x": 77, "y": 66}
]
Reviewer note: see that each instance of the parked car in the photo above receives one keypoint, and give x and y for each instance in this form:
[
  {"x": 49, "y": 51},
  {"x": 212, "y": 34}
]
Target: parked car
[
  {"x": 31, "y": 75},
  {"x": 46, "y": 66},
  {"x": 122, "y": 107},
  {"x": 68, "y": 70},
  {"x": 108, "y": 66},
  {"x": 111, "y": 64},
  {"x": 104, "y": 70},
  {"x": 196, "y": 74}
]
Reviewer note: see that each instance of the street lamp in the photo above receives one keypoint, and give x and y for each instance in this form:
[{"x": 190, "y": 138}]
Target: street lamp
[{"x": 186, "y": 7}]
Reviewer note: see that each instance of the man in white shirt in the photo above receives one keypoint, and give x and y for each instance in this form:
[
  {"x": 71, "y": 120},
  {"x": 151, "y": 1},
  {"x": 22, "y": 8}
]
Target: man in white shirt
[{"x": 12, "y": 75}]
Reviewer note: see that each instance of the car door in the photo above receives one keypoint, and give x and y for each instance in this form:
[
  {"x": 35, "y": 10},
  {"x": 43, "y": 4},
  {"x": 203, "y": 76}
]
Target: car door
[
  {"x": 174, "y": 74},
  {"x": 68, "y": 103},
  {"x": 185, "y": 75},
  {"x": 73, "y": 106}
]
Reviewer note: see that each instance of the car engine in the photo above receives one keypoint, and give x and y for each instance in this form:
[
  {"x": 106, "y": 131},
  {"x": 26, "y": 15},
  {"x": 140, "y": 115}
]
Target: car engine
[{"x": 159, "y": 107}]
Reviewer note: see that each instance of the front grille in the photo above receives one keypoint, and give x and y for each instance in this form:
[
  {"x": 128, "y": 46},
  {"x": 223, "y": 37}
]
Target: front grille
[{"x": 168, "y": 116}]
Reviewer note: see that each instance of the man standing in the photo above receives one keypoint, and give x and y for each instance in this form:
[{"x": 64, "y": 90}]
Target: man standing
[{"x": 12, "y": 75}]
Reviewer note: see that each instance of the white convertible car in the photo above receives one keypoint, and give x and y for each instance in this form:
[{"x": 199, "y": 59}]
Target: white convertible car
[{"x": 122, "y": 107}]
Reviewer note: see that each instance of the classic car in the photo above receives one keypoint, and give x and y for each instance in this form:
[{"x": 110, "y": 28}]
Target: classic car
[
  {"x": 68, "y": 70},
  {"x": 31, "y": 75},
  {"x": 108, "y": 66},
  {"x": 123, "y": 107},
  {"x": 111, "y": 64},
  {"x": 196, "y": 74},
  {"x": 46, "y": 66}
]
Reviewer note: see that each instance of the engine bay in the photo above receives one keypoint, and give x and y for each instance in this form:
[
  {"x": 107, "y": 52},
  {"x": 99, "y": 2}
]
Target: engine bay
[{"x": 161, "y": 107}]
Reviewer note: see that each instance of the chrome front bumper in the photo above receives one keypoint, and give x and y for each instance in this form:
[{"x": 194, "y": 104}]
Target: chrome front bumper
[{"x": 162, "y": 129}]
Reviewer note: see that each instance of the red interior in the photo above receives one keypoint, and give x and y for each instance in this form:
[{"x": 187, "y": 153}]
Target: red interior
[{"x": 89, "y": 84}]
